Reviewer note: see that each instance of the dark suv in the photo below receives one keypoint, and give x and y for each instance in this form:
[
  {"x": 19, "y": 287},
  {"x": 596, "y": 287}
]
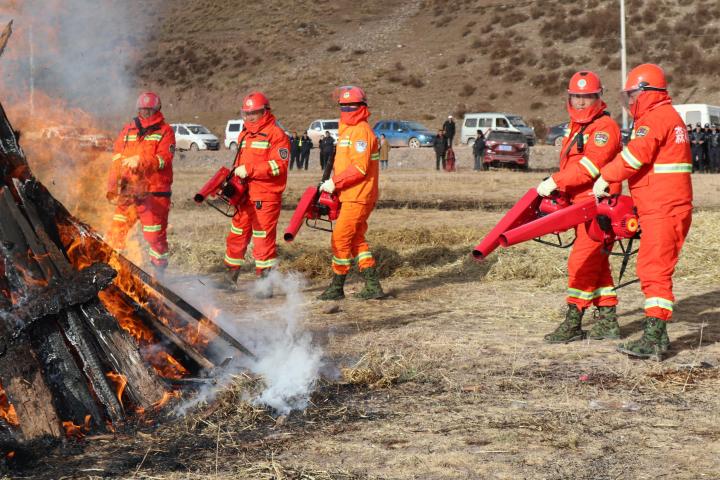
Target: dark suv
[{"x": 506, "y": 148}]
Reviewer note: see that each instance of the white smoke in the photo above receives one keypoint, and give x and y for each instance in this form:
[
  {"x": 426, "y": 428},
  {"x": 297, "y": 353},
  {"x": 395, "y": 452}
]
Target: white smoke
[
  {"x": 286, "y": 358},
  {"x": 81, "y": 51}
]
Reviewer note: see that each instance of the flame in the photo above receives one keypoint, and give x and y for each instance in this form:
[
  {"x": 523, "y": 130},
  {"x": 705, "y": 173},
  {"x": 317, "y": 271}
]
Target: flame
[
  {"x": 120, "y": 382},
  {"x": 7, "y": 409},
  {"x": 77, "y": 432},
  {"x": 10, "y": 455}
]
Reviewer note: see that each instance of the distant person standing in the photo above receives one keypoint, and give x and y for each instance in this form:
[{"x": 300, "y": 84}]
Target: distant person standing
[
  {"x": 327, "y": 149},
  {"x": 440, "y": 145},
  {"x": 305, "y": 146},
  {"x": 449, "y": 129},
  {"x": 697, "y": 145},
  {"x": 384, "y": 152},
  {"x": 294, "y": 150},
  {"x": 479, "y": 150},
  {"x": 714, "y": 150}
]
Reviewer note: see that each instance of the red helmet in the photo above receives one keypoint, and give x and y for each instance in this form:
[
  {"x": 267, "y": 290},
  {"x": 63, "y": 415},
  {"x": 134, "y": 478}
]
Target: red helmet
[
  {"x": 349, "y": 94},
  {"x": 255, "y": 101},
  {"x": 148, "y": 100},
  {"x": 647, "y": 76},
  {"x": 585, "y": 82}
]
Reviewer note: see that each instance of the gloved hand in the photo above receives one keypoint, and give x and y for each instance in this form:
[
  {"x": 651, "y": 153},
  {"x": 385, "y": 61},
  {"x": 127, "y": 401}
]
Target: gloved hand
[
  {"x": 327, "y": 186},
  {"x": 600, "y": 188},
  {"x": 241, "y": 171},
  {"x": 131, "y": 162},
  {"x": 546, "y": 187}
]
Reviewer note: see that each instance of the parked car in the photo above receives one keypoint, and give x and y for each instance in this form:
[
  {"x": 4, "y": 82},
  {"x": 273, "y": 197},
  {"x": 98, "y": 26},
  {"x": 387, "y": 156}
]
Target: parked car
[
  {"x": 503, "y": 122},
  {"x": 506, "y": 149},
  {"x": 401, "y": 133},
  {"x": 317, "y": 129},
  {"x": 556, "y": 134},
  {"x": 82, "y": 138},
  {"x": 191, "y": 136},
  {"x": 232, "y": 130}
]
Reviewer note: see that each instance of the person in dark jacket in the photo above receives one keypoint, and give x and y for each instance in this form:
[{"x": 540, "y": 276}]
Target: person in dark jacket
[
  {"x": 714, "y": 149},
  {"x": 479, "y": 150},
  {"x": 697, "y": 145},
  {"x": 440, "y": 145},
  {"x": 294, "y": 150},
  {"x": 305, "y": 146},
  {"x": 327, "y": 149},
  {"x": 449, "y": 129}
]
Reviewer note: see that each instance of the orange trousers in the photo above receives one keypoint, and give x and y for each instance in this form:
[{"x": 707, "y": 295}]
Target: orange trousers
[
  {"x": 660, "y": 245},
  {"x": 259, "y": 219},
  {"x": 590, "y": 280},
  {"x": 348, "y": 238},
  {"x": 153, "y": 213}
]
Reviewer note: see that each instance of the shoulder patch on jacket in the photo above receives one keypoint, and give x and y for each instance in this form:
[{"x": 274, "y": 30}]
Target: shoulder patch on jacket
[
  {"x": 283, "y": 152},
  {"x": 601, "y": 138},
  {"x": 361, "y": 146},
  {"x": 642, "y": 131}
]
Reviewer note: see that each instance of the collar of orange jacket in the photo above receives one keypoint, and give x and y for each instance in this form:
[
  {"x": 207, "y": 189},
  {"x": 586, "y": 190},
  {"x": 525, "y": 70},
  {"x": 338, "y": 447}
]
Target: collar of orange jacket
[
  {"x": 586, "y": 115},
  {"x": 264, "y": 121},
  {"x": 649, "y": 100},
  {"x": 353, "y": 118},
  {"x": 153, "y": 119}
]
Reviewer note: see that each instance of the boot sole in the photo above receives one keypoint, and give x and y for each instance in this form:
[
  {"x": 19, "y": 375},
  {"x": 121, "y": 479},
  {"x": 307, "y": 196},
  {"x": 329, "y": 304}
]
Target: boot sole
[
  {"x": 645, "y": 356},
  {"x": 576, "y": 338},
  {"x": 604, "y": 337}
]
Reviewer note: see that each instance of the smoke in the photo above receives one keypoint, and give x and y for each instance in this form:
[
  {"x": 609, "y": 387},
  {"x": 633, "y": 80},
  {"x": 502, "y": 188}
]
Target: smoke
[
  {"x": 79, "y": 51},
  {"x": 286, "y": 358}
]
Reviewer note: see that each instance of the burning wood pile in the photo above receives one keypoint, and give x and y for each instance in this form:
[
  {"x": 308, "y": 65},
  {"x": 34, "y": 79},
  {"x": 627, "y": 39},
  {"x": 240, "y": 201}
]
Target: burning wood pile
[{"x": 88, "y": 341}]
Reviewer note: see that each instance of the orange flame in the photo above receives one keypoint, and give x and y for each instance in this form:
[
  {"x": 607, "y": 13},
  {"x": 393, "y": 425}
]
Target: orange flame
[
  {"x": 120, "y": 382},
  {"x": 7, "y": 409},
  {"x": 77, "y": 432}
]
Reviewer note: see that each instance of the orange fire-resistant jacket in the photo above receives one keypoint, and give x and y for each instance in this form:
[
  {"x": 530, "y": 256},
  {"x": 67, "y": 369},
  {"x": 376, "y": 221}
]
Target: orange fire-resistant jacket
[
  {"x": 155, "y": 149},
  {"x": 264, "y": 151},
  {"x": 356, "y": 163},
  {"x": 657, "y": 161},
  {"x": 579, "y": 169}
]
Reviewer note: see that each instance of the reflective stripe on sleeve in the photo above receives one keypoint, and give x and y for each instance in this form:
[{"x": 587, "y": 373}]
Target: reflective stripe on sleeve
[
  {"x": 274, "y": 168},
  {"x": 630, "y": 159},
  {"x": 119, "y": 218},
  {"x": 152, "y": 228},
  {"x": 117, "y": 156},
  {"x": 161, "y": 162},
  {"x": 590, "y": 167},
  {"x": 375, "y": 156},
  {"x": 360, "y": 170},
  {"x": 344, "y": 143}
]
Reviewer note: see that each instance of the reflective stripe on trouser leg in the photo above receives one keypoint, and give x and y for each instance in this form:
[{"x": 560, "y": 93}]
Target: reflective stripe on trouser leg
[
  {"x": 264, "y": 232},
  {"x": 238, "y": 237},
  {"x": 153, "y": 213},
  {"x": 660, "y": 247},
  {"x": 124, "y": 219},
  {"x": 348, "y": 237},
  {"x": 589, "y": 276}
]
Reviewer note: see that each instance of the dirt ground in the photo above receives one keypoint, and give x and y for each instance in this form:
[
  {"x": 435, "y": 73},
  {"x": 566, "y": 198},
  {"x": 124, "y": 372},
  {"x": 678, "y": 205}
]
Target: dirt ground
[{"x": 457, "y": 380}]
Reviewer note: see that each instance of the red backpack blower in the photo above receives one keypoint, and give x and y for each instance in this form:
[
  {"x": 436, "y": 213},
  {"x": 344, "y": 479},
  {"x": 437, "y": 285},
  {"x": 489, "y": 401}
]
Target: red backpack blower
[
  {"x": 609, "y": 220},
  {"x": 315, "y": 208},
  {"x": 224, "y": 192}
]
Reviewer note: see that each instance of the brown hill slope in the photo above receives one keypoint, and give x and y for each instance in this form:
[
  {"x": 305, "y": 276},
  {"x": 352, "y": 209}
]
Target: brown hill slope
[{"x": 417, "y": 59}]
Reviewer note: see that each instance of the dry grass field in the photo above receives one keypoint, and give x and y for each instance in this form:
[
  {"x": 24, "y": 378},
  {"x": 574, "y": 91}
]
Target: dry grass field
[{"x": 448, "y": 377}]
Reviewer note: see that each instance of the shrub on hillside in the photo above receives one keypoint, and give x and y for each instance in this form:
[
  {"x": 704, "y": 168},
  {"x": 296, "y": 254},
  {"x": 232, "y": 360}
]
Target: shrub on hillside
[{"x": 467, "y": 90}]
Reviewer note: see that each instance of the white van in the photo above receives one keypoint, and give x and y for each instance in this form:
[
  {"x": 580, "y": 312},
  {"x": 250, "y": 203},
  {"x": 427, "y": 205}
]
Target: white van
[
  {"x": 318, "y": 128},
  {"x": 504, "y": 122},
  {"x": 702, "y": 113},
  {"x": 232, "y": 130},
  {"x": 191, "y": 136}
]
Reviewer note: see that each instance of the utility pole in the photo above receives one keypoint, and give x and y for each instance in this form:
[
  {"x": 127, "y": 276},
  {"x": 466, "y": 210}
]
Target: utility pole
[
  {"x": 32, "y": 71},
  {"x": 623, "y": 58}
]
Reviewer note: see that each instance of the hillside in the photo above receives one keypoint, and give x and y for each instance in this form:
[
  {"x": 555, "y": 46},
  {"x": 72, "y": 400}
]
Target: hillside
[{"x": 417, "y": 59}]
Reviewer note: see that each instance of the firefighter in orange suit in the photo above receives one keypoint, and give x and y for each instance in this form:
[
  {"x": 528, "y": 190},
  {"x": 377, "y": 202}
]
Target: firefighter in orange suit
[
  {"x": 592, "y": 139},
  {"x": 657, "y": 165},
  {"x": 262, "y": 162},
  {"x": 355, "y": 180},
  {"x": 141, "y": 178}
]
